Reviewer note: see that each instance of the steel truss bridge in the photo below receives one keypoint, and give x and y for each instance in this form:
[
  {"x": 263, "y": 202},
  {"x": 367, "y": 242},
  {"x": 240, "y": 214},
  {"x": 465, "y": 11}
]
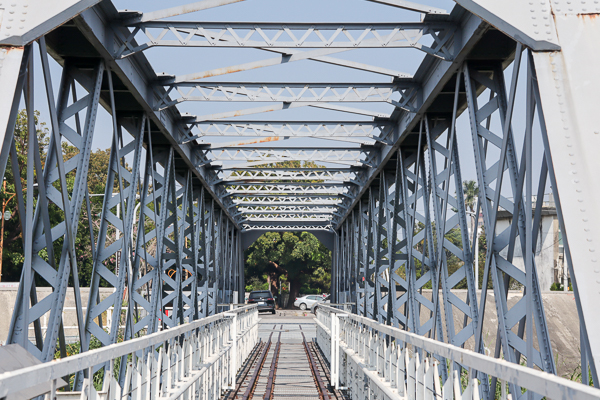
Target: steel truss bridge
[{"x": 379, "y": 184}]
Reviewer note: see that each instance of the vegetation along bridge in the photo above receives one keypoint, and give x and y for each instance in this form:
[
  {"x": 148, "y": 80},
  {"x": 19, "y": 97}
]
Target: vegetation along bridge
[{"x": 422, "y": 146}]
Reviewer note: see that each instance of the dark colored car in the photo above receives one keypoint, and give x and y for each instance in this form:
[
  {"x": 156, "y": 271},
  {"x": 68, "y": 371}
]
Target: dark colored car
[{"x": 264, "y": 299}]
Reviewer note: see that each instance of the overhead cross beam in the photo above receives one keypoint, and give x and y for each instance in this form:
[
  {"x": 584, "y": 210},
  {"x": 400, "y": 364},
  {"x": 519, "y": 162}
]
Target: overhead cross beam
[
  {"x": 285, "y": 216},
  {"x": 400, "y": 93},
  {"x": 251, "y": 175},
  {"x": 349, "y": 155},
  {"x": 288, "y": 200},
  {"x": 289, "y": 188},
  {"x": 290, "y": 209},
  {"x": 286, "y": 226},
  {"x": 320, "y": 129},
  {"x": 430, "y": 37}
]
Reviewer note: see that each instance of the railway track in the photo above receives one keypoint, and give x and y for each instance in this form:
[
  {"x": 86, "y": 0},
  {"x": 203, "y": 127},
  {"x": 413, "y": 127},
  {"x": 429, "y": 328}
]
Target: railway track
[
  {"x": 323, "y": 367},
  {"x": 287, "y": 369}
]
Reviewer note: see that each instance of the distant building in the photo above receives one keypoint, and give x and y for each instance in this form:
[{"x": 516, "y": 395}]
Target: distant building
[{"x": 549, "y": 253}]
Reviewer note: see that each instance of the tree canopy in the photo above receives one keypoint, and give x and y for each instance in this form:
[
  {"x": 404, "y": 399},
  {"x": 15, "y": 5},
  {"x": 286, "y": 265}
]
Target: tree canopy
[{"x": 299, "y": 257}]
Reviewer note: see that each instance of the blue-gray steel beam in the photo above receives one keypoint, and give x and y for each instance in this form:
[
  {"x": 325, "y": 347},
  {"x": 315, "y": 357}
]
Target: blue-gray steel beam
[
  {"x": 443, "y": 177},
  {"x": 138, "y": 77},
  {"x": 37, "y": 18},
  {"x": 587, "y": 358},
  {"x": 123, "y": 202},
  {"x": 68, "y": 201},
  {"x": 435, "y": 75},
  {"x": 498, "y": 266}
]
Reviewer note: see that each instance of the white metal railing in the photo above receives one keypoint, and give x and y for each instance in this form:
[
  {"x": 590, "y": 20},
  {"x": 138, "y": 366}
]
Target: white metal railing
[
  {"x": 372, "y": 360},
  {"x": 199, "y": 359}
]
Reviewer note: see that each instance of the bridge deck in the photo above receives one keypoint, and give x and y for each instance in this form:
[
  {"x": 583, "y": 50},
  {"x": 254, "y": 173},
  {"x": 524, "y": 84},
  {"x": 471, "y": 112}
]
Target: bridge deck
[{"x": 280, "y": 366}]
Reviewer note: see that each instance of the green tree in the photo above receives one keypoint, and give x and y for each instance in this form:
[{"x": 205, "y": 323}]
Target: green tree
[
  {"x": 12, "y": 254},
  {"x": 471, "y": 191},
  {"x": 299, "y": 257}
]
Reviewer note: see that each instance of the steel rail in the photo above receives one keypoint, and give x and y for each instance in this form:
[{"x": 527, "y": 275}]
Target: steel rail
[
  {"x": 254, "y": 379},
  {"x": 271, "y": 380},
  {"x": 245, "y": 371},
  {"x": 322, "y": 363},
  {"x": 323, "y": 392},
  {"x": 325, "y": 368}
]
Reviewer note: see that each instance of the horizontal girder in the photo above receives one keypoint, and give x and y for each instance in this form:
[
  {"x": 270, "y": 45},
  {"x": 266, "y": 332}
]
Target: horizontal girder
[
  {"x": 290, "y": 188},
  {"x": 248, "y": 176},
  {"x": 284, "y": 92},
  {"x": 281, "y": 185},
  {"x": 285, "y": 209},
  {"x": 367, "y": 129},
  {"x": 418, "y": 35},
  {"x": 273, "y": 217},
  {"x": 289, "y": 200},
  {"x": 286, "y": 226},
  {"x": 319, "y": 154},
  {"x": 287, "y": 56}
]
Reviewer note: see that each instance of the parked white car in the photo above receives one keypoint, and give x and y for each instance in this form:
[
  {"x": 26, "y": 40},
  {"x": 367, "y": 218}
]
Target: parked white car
[
  {"x": 307, "y": 301},
  {"x": 326, "y": 300}
]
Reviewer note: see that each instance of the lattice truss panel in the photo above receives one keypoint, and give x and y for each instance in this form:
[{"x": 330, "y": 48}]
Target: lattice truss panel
[
  {"x": 420, "y": 209},
  {"x": 398, "y": 94},
  {"x": 249, "y": 176},
  {"x": 431, "y": 38},
  {"x": 50, "y": 255},
  {"x": 163, "y": 244},
  {"x": 329, "y": 129},
  {"x": 347, "y": 156},
  {"x": 497, "y": 176},
  {"x": 450, "y": 233}
]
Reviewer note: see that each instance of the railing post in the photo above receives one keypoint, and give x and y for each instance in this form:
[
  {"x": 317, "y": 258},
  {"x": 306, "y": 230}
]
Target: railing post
[
  {"x": 335, "y": 349},
  {"x": 233, "y": 352}
]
